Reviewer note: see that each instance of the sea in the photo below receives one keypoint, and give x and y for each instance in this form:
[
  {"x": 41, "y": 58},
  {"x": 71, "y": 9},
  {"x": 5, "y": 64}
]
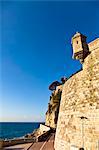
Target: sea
[{"x": 9, "y": 130}]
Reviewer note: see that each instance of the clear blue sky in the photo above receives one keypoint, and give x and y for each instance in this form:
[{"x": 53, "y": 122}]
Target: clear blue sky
[{"x": 36, "y": 50}]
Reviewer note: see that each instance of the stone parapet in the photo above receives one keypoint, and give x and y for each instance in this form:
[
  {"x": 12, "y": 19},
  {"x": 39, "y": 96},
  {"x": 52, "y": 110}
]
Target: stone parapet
[{"x": 93, "y": 45}]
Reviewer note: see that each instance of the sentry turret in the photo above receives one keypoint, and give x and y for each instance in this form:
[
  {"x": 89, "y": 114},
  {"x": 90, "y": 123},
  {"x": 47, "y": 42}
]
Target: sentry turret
[{"x": 80, "y": 47}]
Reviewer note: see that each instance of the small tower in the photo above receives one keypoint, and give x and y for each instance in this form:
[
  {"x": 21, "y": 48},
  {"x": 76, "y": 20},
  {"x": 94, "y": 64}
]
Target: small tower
[{"x": 80, "y": 47}]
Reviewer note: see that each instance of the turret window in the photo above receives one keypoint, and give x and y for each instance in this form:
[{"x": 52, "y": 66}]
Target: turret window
[{"x": 77, "y": 42}]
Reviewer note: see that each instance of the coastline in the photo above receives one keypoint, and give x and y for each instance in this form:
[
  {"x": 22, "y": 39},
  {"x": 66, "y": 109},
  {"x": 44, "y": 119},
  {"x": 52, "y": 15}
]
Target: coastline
[
  {"x": 28, "y": 138},
  {"x": 14, "y": 130},
  {"x": 37, "y": 135}
]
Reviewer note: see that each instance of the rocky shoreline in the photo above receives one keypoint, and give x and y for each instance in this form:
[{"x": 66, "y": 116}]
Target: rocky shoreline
[{"x": 35, "y": 136}]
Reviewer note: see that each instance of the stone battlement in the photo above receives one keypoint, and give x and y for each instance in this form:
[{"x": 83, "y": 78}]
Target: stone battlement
[{"x": 94, "y": 45}]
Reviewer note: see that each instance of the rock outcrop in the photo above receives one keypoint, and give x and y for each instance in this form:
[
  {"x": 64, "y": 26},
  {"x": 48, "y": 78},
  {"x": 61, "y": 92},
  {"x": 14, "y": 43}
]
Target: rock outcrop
[
  {"x": 54, "y": 103},
  {"x": 53, "y": 107}
]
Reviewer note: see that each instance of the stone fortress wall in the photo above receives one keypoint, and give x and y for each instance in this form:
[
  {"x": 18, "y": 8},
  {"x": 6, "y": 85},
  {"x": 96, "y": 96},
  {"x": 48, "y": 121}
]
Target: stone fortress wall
[{"x": 78, "y": 120}]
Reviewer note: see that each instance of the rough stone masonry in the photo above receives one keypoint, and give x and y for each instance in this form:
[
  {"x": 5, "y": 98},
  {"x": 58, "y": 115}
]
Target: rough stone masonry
[{"x": 78, "y": 120}]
